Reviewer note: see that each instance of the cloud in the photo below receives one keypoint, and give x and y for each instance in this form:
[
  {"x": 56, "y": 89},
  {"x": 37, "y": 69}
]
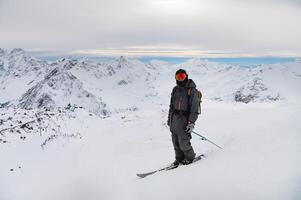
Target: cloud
[{"x": 257, "y": 27}]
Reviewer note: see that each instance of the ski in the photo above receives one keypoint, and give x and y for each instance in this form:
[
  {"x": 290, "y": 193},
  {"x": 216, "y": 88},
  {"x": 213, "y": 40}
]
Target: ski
[{"x": 170, "y": 167}]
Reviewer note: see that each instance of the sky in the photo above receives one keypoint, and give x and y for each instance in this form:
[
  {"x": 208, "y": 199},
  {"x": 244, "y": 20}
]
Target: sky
[{"x": 182, "y": 28}]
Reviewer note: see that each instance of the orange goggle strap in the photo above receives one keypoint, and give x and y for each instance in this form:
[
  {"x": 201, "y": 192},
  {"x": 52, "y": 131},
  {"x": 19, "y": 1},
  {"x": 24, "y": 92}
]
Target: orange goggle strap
[{"x": 181, "y": 76}]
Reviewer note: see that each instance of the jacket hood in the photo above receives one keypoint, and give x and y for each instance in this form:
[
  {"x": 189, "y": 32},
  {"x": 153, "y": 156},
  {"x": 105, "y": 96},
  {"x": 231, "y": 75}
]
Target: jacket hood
[{"x": 190, "y": 84}]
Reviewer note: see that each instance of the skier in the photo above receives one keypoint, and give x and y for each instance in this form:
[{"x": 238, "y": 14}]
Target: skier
[{"x": 183, "y": 112}]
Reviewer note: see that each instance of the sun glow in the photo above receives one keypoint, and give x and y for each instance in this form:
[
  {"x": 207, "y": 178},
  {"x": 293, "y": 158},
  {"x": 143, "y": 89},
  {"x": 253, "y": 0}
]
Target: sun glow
[{"x": 177, "y": 6}]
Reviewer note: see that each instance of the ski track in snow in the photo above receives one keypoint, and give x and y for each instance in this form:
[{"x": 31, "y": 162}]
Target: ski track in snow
[{"x": 261, "y": 140}]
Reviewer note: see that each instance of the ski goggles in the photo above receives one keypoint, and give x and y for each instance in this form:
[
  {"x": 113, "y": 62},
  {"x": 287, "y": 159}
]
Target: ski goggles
[{"x": 181, "y": 76}]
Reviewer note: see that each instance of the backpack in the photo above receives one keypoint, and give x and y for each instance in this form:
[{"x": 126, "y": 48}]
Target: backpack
[{"x": 199, "y": 98}]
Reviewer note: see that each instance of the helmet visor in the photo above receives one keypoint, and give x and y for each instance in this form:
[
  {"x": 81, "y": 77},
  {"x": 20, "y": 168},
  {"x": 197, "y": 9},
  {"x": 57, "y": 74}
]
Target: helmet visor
[{"x": 180, "y": 76}]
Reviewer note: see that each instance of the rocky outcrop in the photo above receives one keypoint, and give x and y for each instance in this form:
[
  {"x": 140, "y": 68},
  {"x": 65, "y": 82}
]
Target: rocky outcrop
[{"x": 255, "y": 91}]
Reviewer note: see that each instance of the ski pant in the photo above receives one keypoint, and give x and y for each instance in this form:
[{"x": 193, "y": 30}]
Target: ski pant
[
  {"x": 180, "y": 138},
  {"x": 182, "y": 146}
]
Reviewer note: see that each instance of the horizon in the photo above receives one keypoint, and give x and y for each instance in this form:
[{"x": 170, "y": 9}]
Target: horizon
[
  {"x": 178, "y": 60},
  {"x": 240, "y": 61}
]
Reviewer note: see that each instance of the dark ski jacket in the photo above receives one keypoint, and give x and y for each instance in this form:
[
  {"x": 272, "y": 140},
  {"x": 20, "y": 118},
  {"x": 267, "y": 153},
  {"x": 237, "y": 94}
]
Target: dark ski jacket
[{"x": 183, "y": 106}]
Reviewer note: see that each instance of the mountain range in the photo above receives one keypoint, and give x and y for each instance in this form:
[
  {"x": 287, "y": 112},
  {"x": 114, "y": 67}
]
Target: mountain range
[{"x": 121, "y": 83}]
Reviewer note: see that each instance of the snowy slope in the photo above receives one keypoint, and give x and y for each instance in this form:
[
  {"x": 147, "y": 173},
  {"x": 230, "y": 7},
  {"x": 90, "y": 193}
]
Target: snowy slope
[
  {"x": 260, "y": 158},
  {"x": 115, "y": 127}
]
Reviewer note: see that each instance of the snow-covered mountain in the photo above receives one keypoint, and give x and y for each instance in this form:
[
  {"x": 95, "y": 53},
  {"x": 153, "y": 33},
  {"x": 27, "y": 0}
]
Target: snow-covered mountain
[
  {"x": 58, "y": 88},
  {"x": 121, "y": 82},
  {"x": 264, "y": 83},
  {"x": 126, "y": 83},
  {"x": 19, "y": 72},
  {"x": 38, "y": 84},
  {"x": 18, "y": 63}
]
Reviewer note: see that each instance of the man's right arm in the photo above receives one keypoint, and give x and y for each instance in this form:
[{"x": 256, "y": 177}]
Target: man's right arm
[{"x": 170, "y": 112}]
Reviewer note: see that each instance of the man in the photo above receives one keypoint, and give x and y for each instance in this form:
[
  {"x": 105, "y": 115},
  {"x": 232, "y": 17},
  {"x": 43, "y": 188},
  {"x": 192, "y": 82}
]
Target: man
[{"x": 183, "y": 112}]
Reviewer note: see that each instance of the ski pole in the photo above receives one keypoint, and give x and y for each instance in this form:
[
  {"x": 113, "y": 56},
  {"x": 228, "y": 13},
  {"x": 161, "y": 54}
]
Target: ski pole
[{"x": 203, "y": 138}]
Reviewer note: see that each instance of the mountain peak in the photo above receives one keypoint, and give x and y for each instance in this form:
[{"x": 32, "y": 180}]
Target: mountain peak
[
  {"x": 17, "y": 51},
  {"x": 122, "y": 61},
  {"x": 59, "y": 88}
]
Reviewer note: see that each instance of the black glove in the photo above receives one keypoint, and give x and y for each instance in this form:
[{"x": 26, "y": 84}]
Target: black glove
[{"x": 189, "y": 127}]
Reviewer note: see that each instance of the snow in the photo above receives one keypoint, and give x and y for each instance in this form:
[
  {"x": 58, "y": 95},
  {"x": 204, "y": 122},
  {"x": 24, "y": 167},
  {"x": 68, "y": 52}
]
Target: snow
[{"x": 97, "y": 157}]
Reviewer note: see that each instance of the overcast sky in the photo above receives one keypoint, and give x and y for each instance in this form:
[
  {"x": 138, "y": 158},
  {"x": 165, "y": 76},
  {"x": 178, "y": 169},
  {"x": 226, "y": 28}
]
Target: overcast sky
[{"x": 153, "y": 27}]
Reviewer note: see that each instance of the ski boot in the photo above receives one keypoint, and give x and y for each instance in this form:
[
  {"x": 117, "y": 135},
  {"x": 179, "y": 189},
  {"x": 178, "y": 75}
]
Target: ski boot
[
  {"x": 175, "y": 164},
  {"x": 186, "y": 162}
]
